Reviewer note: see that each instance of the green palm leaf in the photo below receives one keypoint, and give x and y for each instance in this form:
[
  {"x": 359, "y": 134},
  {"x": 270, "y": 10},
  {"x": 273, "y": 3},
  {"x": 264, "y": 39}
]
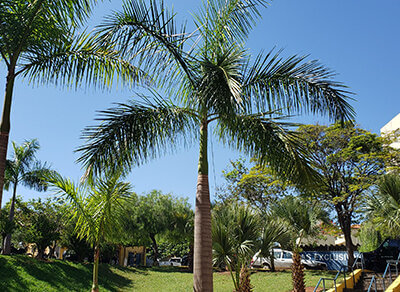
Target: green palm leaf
[
  {"x": 148, "y": 32},
  {"x": 136, "y": 132},
  {"x": 78, "y": 61},
  {"x": 384, "y": 206},
  {"x": 268, "y": 139},
  {"x": 294, "y": 85},
  {"x": 222, "y": 21}
]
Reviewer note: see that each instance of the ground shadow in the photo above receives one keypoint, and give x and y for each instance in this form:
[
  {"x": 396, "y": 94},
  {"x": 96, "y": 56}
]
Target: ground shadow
[{"x": 22, "y": 273}]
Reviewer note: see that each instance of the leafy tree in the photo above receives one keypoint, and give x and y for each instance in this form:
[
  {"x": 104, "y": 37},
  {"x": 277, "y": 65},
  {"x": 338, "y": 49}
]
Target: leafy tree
[
  {"x": 42, "y": 229},
  {"x": 6, "y": 226},
  {"x": 26, "y": 170},
  {"x": 349, "y": 160},
  {"x": 97, "y": 207},
  {"x": 235, "y": 231},
  {"x": 302, "y": 220},
  {"x": 38, "y": 41},
  {"x": 182, "y": 229},
  {"x": 383, "y": 206},
  {"x": 212, "y": 78},
  {"x": 154, "y": 216},
  {"x": 258, "y": 185}
]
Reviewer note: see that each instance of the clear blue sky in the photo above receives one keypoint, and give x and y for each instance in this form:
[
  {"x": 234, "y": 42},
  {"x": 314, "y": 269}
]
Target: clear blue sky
[{"x": 358, "y": 39}]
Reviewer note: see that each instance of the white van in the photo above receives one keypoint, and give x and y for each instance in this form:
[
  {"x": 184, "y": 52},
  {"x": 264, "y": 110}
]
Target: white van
[{"x": 283, "y": 260}]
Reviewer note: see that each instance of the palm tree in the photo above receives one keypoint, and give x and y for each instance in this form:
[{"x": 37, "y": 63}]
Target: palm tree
[
  {"x": 97, "y": 209},
  {"x": 235, "y": 231},
  {"x": 38, "y": 41},
  {"x": 302, "y": 220},
  {"x": 212, "y": 78},
  {"x": 26, "y": 170},
  {"x": 384, "y": 206},
  {"x": 273, "y": 231}
]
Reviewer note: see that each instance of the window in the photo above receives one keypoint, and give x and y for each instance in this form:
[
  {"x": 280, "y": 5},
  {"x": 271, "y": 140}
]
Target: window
[{"x": 287, "y": 255}]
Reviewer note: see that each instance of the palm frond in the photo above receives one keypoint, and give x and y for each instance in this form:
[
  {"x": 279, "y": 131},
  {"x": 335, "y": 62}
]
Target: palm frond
[
  {"x": 26, "y": 24},
  {"x": 35, "y": 178},
  {"x": 221, "y": 21},
  {"x": 384, "y": 206},
  {"x": 134, "y": 132},
  {"x": 301, "y": 218},
  {"x": 267, "y": 138},
  {"x": 147, "y": 31},
  {"x": 295, "y": 85},
  {"x": 79, "y": 61}
]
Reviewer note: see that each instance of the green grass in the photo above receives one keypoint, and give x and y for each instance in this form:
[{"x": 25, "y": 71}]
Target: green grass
[{"x": 22, "y": 273}]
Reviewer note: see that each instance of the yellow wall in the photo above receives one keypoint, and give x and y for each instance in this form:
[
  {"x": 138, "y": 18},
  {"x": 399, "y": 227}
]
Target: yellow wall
[
  {"x": 395, "y": 286},
  {"x": 349, "y": 281},
  {"x": 124, "y": 252}
]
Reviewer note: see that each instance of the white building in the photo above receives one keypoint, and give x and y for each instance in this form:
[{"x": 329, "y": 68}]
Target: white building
[{"x": 392, "y": 127}]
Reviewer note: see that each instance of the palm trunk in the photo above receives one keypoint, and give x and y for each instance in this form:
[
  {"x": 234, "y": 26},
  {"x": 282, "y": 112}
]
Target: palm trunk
[
  {"x": 7, "y": 241},
  {"x": 5, "y": 126},
  {"x": 95, "y": 286},
  {"x": 202, "y": 272},
  {"x": 244, "y": 285},
  {"x": 297, "y": 273}
]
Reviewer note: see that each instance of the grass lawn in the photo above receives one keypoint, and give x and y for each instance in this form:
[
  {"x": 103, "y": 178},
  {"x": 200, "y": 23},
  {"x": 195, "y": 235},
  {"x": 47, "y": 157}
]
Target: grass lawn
[{"x": 22, "y": 273}]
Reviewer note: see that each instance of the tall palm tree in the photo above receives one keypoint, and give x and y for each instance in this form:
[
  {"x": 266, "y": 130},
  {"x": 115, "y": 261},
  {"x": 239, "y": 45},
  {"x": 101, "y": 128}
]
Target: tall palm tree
[
  {"x": 302, "y": 219},
  {"x": 384, "y": 206},
  {"x": 97, "y": 209},
  {"x": 23, "y": 169},
  {"x": 38, "y": 40},
  {"x": 212, "y": 78}
]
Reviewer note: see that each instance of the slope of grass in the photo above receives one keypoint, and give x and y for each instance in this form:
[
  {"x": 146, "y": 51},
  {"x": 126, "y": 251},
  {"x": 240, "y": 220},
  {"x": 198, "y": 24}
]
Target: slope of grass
[{"x": 22, "y": 273}]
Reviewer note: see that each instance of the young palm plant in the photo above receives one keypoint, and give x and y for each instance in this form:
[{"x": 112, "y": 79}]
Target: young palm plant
[
  {"x": 38, "y": 41},
  {"x": 301, "y": 220},
  {"x": 213, "y": 79},
  {"x": 23, "y": 169},
  {"x": 97, "y": 209},
  {"x": 273, "y": 230},
  {"x": 235, "y": 231},
  {"x": 384, "y": 206}
]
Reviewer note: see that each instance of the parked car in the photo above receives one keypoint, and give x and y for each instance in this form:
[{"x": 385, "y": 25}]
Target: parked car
[
  {"x": 185, "y": 260},
  {"x": 175, "y": 261},
  {"x": 283, "y": 260},
  {"x": 376, "y": 260}
]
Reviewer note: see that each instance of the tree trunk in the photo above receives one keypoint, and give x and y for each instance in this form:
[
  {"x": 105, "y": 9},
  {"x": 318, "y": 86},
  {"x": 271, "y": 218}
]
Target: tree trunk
[
  {"x": 202, "y": 272},
  {"x": 5, "y": 126},
  {"x": 7, "y": 241},
  {"x": 244, "y": 282},
  {"x": 40, "y": 253},
  {"x": 95, "y": 286},
  {"x": 345, "y": 225},
  {"x": 190, "y": 258},
  {"x": 298, "y": 273},
  {"x": 155, "y": 249},
  {"x": 272, "y": 260}
]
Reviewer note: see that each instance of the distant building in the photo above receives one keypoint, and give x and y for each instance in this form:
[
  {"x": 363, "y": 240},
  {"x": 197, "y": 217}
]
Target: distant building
[{"x": 392, "y": 127}]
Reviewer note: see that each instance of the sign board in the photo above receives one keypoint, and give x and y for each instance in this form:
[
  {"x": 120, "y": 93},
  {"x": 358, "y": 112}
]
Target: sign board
[{"x": 333, "y": 259}]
